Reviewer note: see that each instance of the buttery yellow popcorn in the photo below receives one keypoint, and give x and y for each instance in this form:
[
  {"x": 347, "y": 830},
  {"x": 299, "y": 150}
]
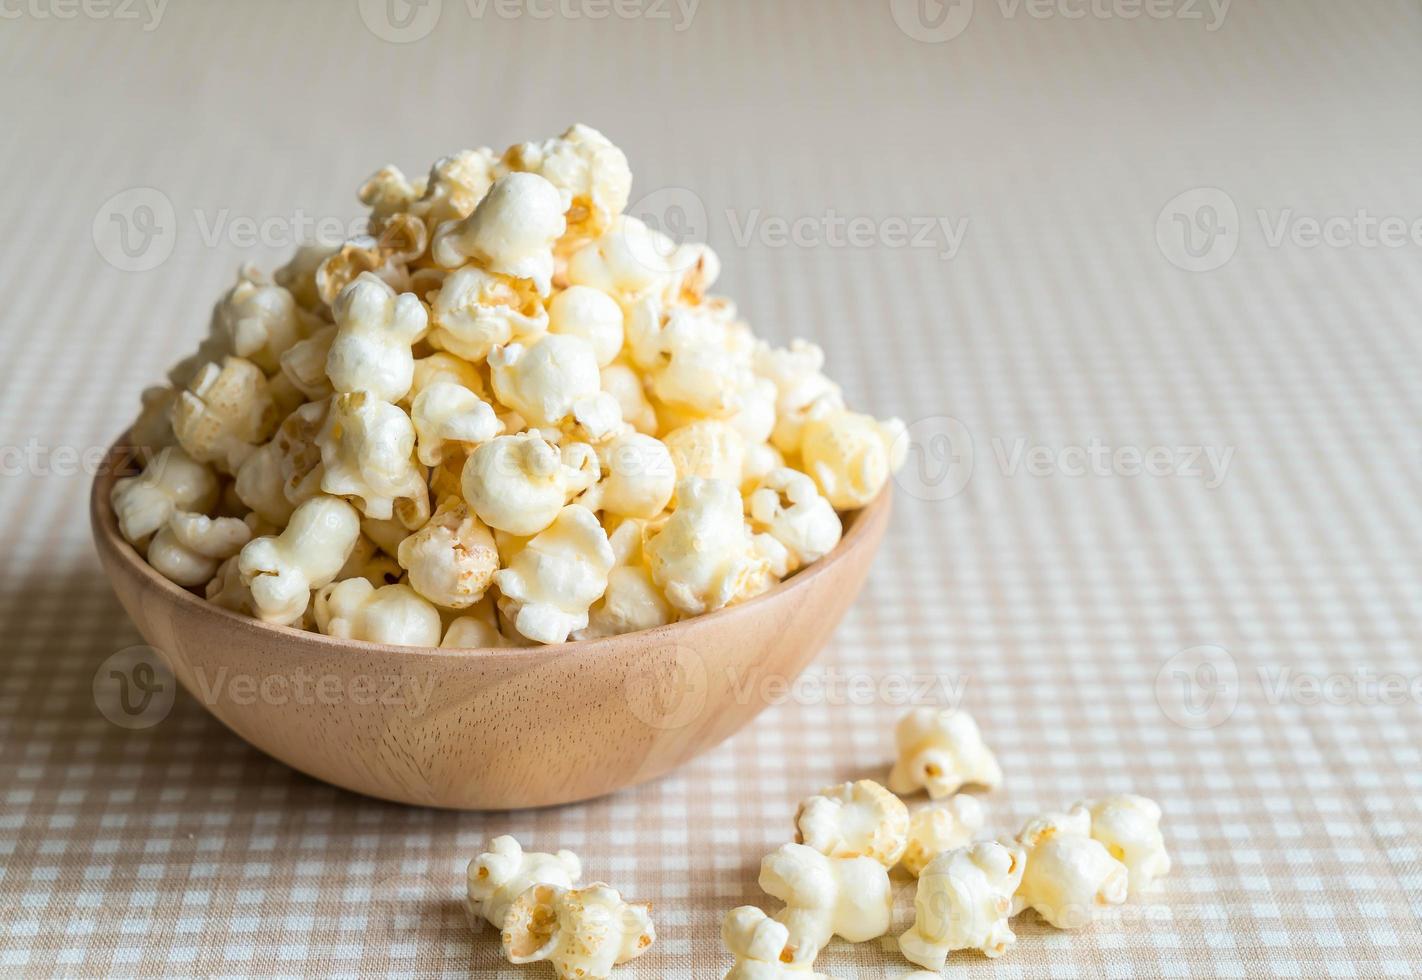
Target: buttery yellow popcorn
[
  {"x": 170, "y": 483},
  {"x": 375, "y": 329},
  {"x": 1129, "y": 826},
  {"x": 963, "y": 901},
  {"x": 581, "y": 932},
  {"x": 549, "y": 587},
  {"x": 356, "y": 610},
  {"x": 505, "y": 871},
  {"x": 941, "y": 751},
  {"x": 225, "y": 413},
  {"x": 703, "y": 556},
  {"x": 188, "y": 549},
  {"x": 504, "y": 401},
  {"x": 943, "y": 827},
  {"x": 511, "y": 231},
  {"x": 368, "y": 452},
  {"x": 763, "y": 949},
  {"x": 452, "y": 560},
  {"x": 860, "y": 819},
  {"x": 1070, "y": 875},
  {"x": 828, "y": 896},
  {"x": 282, "y": 570},
  {"x": 475, "y": 311}
]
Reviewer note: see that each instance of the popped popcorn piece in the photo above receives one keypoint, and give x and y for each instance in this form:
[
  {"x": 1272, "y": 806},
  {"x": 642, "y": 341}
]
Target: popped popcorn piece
[
  {"x": 452, "y": 559},
  {"x": 627, "y": 260},
  {"x": 632, "y": 600},
  {"x": 375, "y": 329},
  {"x": 582, "y": 933},
  {"x": 478, "y": 628},
  {"x": 851, "y": 456},
  {"x": 260, "y": 319},
  {"x": 511, "y": 231},
  {"x": 709, "y": 449},
  {"x": 703, "y": 557},
  {"x": 802, "y": 390},
  {"x": 446, "y": 413},
  {"x": 936, "y": 829},
  {"x": 592, "y": 315},
  {"x": 260, "y": 485},
  {"x": 367, "y": 450},
  {"x": 622, "y": 383},
  {"x": 227, "y": 590},
  {"x": 170, "y": 482},
  {"x": 558, "y": 575},
  {"x": 1129, "y": 826},
  {"x": 298, "y": 276},
  {"x": 941, "y": 751},
  {"x": 396, "y": 614},
  {"x": 455, "y": 186},
  {"x": 787, "y": 506},
  {"x": 587, "y": 168},
  {"x": 401, "y": 240},
  {"x": 638, "y": 477},
  {"x": 304, "y": 363},
  {"x": 519, "y": 483},
  {"x": 963, "y": 901},
  {"x": 505, "y": 871},
  {"x": 762, "y": 948},
  {"x": 692, "y": 369},
  {"x": 555, "y": 379},
  {"x": 827, "y": 896},
  {"x": 442, "y": 366},
  {"x": 188, "y": 549},
  {"x": 1069, "y": 874},
  {"x": 282, "y": 570},
  {"x": 476, "y": 310},
  {"x": 225, "y": 413},
  {"x": 859, "y": 819}
]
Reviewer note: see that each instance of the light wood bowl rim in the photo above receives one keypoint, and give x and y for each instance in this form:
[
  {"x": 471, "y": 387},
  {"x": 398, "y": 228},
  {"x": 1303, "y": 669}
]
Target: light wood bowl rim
[{"x": 107, "y": 538}]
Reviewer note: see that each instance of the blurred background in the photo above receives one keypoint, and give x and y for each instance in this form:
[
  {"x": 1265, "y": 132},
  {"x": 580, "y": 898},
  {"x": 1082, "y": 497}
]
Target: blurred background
[{"x": 1143, "y": 276}]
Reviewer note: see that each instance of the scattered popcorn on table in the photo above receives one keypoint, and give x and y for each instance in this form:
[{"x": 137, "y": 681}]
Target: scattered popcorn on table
[
  {"x": 582, "y": 932},
  {"x": 1129, "y": 826},
  {"x": 1069, "y": 874},
  {"x": 860, "y": 819},
  {"x": 762, "y": 948},
  {"x": 963, "y": 901},
  {"x": 941, "y": 751},
  {"x": 939, "y": 828},
  {"x": 825, "y": 896},
  {"x": 501, "y": 343},
  {"x": 505, "y": 871}
]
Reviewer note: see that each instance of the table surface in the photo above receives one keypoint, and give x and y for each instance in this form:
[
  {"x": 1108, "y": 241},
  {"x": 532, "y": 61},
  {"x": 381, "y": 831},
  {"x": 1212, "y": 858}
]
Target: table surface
[{"x": 1146, "y": 281}]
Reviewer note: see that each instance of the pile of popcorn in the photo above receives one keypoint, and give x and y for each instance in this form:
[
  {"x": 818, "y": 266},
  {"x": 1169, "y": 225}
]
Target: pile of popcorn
[
  {"x": 835, "y": 881},
  {"x": 508, "y": 414}
]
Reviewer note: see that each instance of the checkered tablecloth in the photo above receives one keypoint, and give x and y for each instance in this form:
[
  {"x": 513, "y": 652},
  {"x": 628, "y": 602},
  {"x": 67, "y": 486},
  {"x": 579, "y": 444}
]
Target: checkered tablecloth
[{"x": 1146, "y": 282}]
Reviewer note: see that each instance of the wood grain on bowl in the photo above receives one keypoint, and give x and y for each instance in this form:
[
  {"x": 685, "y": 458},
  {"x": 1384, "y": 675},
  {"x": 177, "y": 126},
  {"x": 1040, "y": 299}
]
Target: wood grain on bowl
[{"x": 489, "y": 729}]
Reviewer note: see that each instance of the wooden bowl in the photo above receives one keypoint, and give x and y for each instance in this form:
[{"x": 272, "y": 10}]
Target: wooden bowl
[{"x": 489, "y": 729}]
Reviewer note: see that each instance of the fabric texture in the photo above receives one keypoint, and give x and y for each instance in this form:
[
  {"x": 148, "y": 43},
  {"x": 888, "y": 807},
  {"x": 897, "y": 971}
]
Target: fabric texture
[{"x": 1146, "y": 287}]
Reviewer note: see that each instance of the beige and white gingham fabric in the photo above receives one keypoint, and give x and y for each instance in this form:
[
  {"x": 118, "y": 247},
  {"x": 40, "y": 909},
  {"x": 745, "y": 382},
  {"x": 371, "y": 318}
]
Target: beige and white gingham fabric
[{"x": 1147, "y": 281}]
